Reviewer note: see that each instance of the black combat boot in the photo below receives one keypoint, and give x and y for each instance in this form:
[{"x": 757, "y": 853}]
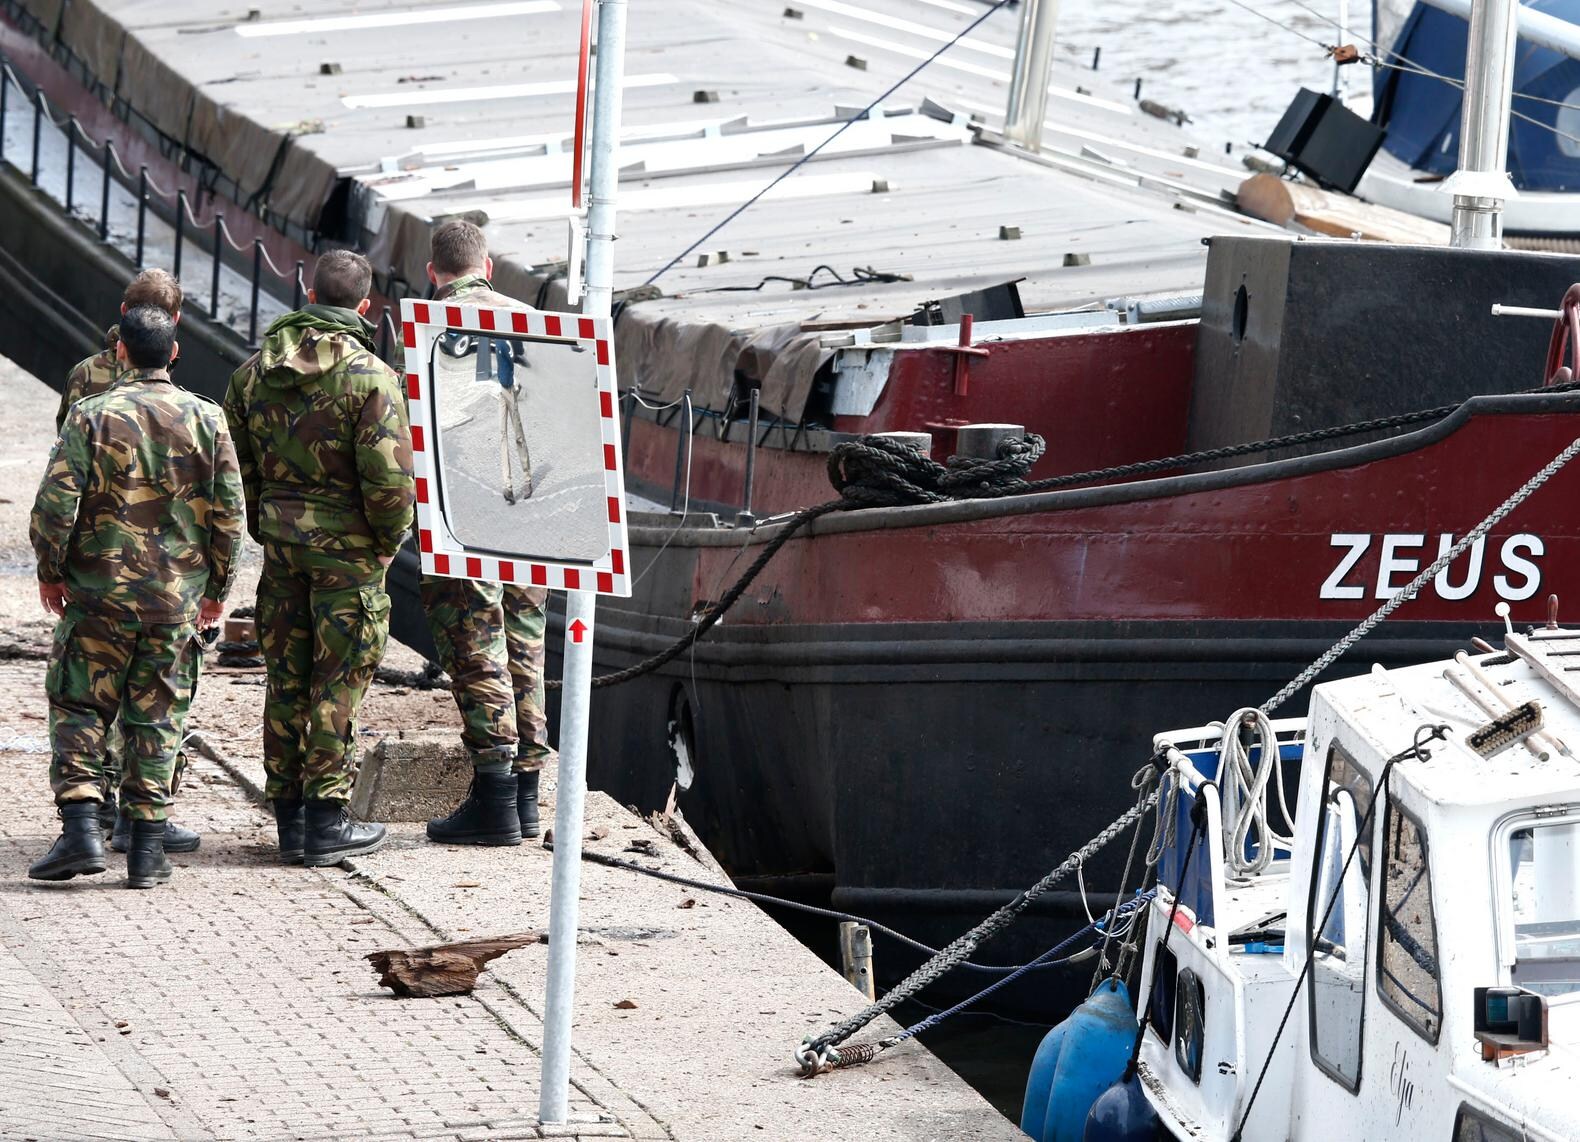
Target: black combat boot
[
  {"x": 78, "y": 850},
  {"x": 146, "y": 863},
  {"x": 290, "y": 822},
  {"x": 177, "y": 839},
  {"x": 332, "y": 836},
  {"x": 486, "y": 817},
  {"x": 108, "y": 818},
  {"x": 527, "y": 801}
]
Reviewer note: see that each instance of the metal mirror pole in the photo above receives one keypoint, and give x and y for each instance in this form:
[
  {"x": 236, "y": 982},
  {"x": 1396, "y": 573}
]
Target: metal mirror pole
[{"x": 575, "y": 697}]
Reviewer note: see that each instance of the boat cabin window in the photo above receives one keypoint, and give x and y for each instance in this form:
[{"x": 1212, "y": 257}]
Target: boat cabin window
[
  {"x": 1473, "y": 1126},
  {"x": 1337, "y": 995},
  {"x": 1407, "y": 971},
  {"x": 1544, "y": 868}
]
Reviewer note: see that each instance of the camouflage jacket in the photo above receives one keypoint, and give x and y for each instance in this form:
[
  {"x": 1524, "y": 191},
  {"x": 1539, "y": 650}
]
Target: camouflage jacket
[
  {"x": 139, "y": 512},
  {"x": 474, "y": 289},
  {"x": 322, "y": 437},
  {"x": 91, "y": 376},
  {"x": 477, "y": 290}
]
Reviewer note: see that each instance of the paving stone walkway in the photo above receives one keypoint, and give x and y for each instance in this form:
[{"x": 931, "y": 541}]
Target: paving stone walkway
[{"x": 234, "y": 1003}]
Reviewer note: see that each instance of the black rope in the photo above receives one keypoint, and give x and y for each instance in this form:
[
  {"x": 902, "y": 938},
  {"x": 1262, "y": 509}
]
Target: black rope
[
  {"x": 1198, "y": 827},
  {"x": 798, "y": 906},
  {"x": 1417, "y": 750},
  {"x": 860, "y": 275}
]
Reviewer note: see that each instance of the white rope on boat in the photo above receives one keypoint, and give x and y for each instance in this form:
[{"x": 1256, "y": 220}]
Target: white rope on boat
[{"x": 1242, "y": 787}]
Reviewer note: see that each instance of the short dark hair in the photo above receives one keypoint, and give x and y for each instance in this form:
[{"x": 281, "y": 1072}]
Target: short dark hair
[
  {"x": 149, "y": 334},
  {"x": 342, "y": 278},
  {"x": 154, "y": 287},
  {"x": 458, "y": 246}
]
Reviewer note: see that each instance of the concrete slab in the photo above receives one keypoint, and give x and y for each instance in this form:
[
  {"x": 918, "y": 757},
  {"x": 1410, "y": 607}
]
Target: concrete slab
[{"x": 410, "y": 778}]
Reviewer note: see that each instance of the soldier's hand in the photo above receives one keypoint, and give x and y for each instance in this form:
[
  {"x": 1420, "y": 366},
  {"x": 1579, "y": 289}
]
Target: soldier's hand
[
  {"x": 53, "y": 596},
  {"x": 209, "y": 613},
  {"x": 386, "y": 560}
]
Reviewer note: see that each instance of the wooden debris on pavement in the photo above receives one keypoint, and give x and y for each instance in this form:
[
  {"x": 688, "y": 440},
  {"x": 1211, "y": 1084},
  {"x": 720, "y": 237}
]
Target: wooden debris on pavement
[{"x": 447, "y": 969}]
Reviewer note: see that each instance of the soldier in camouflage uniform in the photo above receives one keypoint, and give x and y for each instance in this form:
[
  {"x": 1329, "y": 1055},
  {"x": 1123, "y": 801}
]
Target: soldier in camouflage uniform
[
  {"x": 489, "y": 636},
  {"x": 325, "y": 451},
  {"x": 87, "y": 378},
  {"x": 136, "y": 527},
  {"x": 94, "y": 374}
]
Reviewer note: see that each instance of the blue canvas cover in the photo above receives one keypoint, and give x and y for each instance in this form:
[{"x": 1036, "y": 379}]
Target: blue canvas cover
[{"x": 1421, "y": 114}]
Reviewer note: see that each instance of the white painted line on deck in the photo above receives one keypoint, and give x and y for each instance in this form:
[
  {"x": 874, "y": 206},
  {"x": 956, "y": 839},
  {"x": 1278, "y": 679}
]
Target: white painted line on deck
[
  {"x": 974, "y": 69},
  {"x": 951, "y": 6},
  {"x": 916, "y": 53},
  {"x": 554, "y": 139},
  {"x": 1060, "y": 128},
  {"x": 397, "y": 19},
  {"x": 483, "y": 94},
  {"x": 922, "y": 31},
  {"x": 694, "y": 194}
]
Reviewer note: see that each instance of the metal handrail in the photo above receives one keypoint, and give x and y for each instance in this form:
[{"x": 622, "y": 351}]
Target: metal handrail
[{"x": 187, "y": 223}]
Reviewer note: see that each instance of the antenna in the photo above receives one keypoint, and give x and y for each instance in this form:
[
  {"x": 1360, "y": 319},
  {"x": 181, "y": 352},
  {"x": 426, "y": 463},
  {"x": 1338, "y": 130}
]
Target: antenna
[{"x": 1502, "y": 611}]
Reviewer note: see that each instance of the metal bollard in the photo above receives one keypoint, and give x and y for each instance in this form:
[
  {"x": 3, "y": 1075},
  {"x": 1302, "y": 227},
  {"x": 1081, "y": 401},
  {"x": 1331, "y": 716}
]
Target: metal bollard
[
  {"x": 257, "y": 277},
  {"x": 682, "y": 448},
  {"x": 855, "y": 957},
  {"x": 104, "y": 198},
  {"x": 219, "y": 246},
  {"x": 386, "y": 333},
  {"x": 627, "y": 407},
  {"x": 745, "y": 517},
  {"x": 981, "y": 441},
  {"x": 71, "y": 162},
  {"x": 181, "y": 221},
  {"x": 38, "y": 123},
  {"x": 296, "y": 287},
  {"x": 142, "y": 211}
]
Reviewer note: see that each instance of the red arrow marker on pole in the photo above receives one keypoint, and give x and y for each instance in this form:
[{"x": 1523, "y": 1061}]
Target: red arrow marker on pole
[{"x": 578, "y": 628}]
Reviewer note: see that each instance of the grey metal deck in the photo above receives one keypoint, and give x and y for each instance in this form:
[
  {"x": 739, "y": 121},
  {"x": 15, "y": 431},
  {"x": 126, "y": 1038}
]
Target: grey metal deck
[{"x": 494, "y": 93}]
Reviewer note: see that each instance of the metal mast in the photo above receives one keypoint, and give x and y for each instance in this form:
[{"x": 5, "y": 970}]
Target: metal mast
[
  {"x": 1028, "y": 86},
  {"x": 1481, "y": 185}
]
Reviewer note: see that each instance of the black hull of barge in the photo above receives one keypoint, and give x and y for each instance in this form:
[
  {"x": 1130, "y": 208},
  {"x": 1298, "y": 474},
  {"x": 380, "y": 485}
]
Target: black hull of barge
[{"x": 922, "y": 774}]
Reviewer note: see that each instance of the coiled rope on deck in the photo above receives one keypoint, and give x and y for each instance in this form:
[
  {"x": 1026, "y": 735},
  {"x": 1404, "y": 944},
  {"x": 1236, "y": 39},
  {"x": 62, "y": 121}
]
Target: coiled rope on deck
[{"x": 872, "y": 471}]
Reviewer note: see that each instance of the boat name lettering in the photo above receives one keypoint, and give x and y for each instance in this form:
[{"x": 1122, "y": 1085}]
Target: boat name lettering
[
  {"x": 1400, "y": 1085},
  {"x": 1401, "y": 555}
]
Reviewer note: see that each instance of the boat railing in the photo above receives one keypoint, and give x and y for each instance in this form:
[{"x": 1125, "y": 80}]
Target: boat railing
[
  {"x": 95, "y": 169},
  {"x": 1192, "y": 756}
]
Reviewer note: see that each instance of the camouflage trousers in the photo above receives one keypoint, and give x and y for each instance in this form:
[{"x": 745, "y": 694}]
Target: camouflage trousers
[
  {"x": 115, "y": 753},
  {"x": 323, "y": 621},
  {"x": 490, "y": 642},
  {"x": 103, "y": 671}
]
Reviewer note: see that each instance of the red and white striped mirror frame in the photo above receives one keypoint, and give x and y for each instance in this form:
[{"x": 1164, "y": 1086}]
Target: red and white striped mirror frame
[{"x": 442, "y": 553}]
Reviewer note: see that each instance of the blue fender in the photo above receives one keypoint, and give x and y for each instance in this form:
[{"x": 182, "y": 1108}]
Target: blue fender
[
  {"x": 1122, "y": 1114},
  {"x": 1077, "y": 1062},
  {"x": 1040, "y": 1080}
]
